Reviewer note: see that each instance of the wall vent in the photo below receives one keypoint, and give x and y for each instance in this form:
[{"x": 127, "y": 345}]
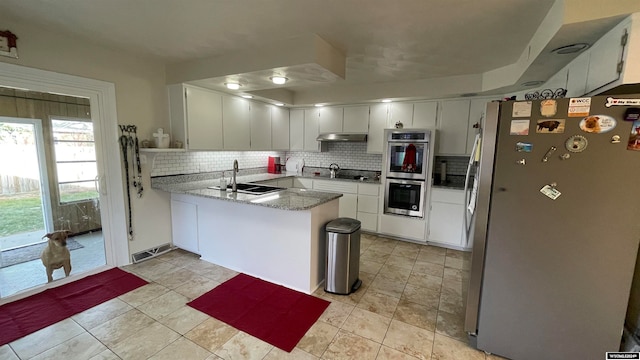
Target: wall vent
[{"x": 149, "y": 253}]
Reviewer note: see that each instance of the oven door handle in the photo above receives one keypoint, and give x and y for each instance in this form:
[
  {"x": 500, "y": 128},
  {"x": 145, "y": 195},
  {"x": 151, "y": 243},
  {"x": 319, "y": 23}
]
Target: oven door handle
[{"x": 403, "y": 181}]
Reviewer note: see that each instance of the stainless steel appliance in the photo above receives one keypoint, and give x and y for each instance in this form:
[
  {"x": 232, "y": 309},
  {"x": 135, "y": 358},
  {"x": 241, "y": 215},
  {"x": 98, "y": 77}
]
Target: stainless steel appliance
[
  {"x": 407, "y": 153},
  {"x": 555, "y": 229},
  {"x": 406, "y": 165},
  {"x": 404, "y": 197}
]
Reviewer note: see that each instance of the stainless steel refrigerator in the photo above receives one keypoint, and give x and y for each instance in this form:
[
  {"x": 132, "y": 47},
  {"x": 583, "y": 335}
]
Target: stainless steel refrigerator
[{"x": 556, "y": 227}]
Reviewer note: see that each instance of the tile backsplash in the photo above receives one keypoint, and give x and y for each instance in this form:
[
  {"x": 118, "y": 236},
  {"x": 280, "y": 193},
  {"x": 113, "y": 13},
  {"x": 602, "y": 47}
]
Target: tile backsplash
[
  {"x": 348, "y": 155},
  {"x": 192, "y": 162}
]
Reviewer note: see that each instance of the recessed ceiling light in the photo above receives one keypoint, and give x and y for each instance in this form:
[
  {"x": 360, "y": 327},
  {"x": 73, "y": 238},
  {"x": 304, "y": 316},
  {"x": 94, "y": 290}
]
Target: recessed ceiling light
[
  {"x": 232, "y": 86},
  {"x": 247, "y": 96},
  {"x": 278, "y": 80},
  {"x": 279, "y": 104},
  {"x": 318, "y": 105},
  {"x": 386, "y": 100},
  {"x": 532, "y": 83},
  {"x": 570, "y": 49}
]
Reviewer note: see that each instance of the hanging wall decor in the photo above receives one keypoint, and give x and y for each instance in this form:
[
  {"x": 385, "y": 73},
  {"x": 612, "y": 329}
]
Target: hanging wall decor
[{"x": 8, "y": 45}]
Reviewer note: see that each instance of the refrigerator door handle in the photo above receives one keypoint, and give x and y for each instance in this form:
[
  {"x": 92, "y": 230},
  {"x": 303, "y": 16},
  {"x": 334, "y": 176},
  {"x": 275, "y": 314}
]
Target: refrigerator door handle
[{"x": 475, "y": 152}]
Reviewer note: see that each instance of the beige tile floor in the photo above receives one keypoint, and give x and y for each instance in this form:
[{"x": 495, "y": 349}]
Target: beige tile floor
[{"x": 410, "y": 306}]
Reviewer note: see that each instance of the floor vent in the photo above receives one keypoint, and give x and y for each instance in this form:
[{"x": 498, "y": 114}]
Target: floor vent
[{"x": 148, "y": 254}]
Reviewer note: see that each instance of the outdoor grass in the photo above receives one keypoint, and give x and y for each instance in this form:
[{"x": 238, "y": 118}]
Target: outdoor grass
[{"x": 19, "y": 214}]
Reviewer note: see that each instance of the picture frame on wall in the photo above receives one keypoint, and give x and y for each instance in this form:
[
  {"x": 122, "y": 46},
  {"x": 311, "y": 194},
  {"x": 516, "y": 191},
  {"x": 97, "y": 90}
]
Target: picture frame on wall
[{"x": 8, "y": 46}]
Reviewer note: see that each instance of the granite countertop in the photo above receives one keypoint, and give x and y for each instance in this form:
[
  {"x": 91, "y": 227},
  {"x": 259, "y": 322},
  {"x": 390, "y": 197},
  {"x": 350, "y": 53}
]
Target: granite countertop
[{"x": 288, "y": 199}]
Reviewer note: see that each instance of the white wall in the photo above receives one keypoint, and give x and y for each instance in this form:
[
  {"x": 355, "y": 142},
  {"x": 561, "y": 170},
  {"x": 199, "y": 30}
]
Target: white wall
[{"x": 140, "y": 96}]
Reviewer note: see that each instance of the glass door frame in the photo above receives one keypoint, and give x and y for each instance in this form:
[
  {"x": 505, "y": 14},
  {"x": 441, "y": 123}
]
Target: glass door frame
[{"x": 45, "y": 193}]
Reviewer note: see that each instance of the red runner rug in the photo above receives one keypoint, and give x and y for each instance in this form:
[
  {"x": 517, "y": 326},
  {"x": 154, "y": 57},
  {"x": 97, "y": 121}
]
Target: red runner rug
[
  {"x": 25, "y": 316},
  {"x": 272, "y": 313}
]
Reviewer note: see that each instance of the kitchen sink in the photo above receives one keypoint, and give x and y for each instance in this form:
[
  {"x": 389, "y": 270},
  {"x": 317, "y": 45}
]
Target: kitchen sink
[{"x": 251, "y": 188}]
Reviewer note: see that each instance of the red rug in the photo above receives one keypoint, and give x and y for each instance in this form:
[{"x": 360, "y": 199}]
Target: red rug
[
  {"x": 25, "y": 316},
  {"x": 270, "y": 312}
]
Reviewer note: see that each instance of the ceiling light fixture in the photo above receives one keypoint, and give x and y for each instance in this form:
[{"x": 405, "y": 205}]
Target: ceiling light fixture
[
  {"x": 532, "y": 83},
  {"x": 278, "y": 80},
  {"x": 279, "y": 104},
  {"x": 570, "y": 49},
  {"x": 247, "y": 96},
  {"x": 386, "y": 100},
  {"x": 232, "y": 86},
  {"x": 318, "y": 105}
]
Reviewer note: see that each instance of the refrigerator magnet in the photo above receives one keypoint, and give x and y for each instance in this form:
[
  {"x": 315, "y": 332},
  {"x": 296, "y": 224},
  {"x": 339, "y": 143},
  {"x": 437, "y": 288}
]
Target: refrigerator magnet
[
  {"x": 548, "y": 107},
  {"x": 634, "y": 138},
  {"x": 621, "y": 102},
  {"x": 550, "y": 192},
  {"x": 521, "y": 109},
  {"x": 632, "y": 114},
  {"x": 597, "y": 124},
  {"x": 519, "y": 127},
  {"x": 524, "y": 147},
  {"x": 554, "y": 126},
  {"x": 579, "y": 107}
]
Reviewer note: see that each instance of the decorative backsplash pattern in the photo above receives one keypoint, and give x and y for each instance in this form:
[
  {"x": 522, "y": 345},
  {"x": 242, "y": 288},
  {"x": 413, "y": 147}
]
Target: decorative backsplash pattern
[
  {"x": 348, "y": 155},
  {"x": 192, "y": 162}
]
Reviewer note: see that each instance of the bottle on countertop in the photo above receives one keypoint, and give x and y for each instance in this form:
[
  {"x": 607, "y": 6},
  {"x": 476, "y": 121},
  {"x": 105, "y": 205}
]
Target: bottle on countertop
[
  {"x": 223, "y": 183},
  {"x": 443, "y": 172}
]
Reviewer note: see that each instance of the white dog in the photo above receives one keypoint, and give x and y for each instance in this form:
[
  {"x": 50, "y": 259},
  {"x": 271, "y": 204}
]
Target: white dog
[{"x": 56, "y": 254}]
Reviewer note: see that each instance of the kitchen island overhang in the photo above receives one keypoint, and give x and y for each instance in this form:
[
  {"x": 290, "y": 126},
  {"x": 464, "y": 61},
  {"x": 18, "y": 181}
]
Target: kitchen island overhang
[{"x": 278, "y": 237}]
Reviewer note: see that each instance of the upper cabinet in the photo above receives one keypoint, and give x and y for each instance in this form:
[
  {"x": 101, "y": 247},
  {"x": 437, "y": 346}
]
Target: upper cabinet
[
  {"x": 236, "y": 123},
  {"x": 348, "y": 119},
  {"x": 453, "y": 127},
  {"x": 260, "y": 126},
  {"x": 296, "y": 129},
  {"x": 425, "y": 115},
  {"x": 356, "y": 119},
  {"x": 196, "y": 117},
  {"x": 312, "y": 130},
  {"x": 279, "y": 128},
  {"x": 401, "y": 112},
  {"x": 604, "y": 57},
  {"x": 206, "y": 120},
  {"x": 329, "y": 119},
  {"x": 378, "y": 117}
]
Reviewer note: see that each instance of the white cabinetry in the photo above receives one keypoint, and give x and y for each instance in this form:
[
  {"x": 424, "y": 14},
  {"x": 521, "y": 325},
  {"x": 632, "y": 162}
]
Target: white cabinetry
[
  {"x": 577, "y": 72},
  {"x": 400, "y": 112},
  {"x": 279, "y": 128},
  {"x": 348, "y": 206},
  {"x": 311, "y": 130},
  {"x": 452, "y": 127},
  {"x": 368, "y": 206},
  {"x": 260, "y": 115},
  {"x": 604, "y": 57},
  {"x": 330, "y": 120},
  {"x": 425, "y": 115},
  {"x": 296, "y": 129},
  {"x": 477, "y": 110},
  {"x": 356, "y": 119},
  {"x": 236, "y": 123},
  {"x": 196, "y": 117},
  {"x": 184, "y": 225},
  {"x": 445, "y": 219},
  {"x": 378, "y": 116},
  {"x": 302, "y": 183}
]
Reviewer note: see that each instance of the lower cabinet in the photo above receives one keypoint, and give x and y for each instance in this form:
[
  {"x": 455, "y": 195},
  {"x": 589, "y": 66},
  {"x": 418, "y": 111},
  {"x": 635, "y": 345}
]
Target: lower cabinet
[
  {"x": 368, "y": 205},
  {"x": 184, "y": 225},
  {"x": 348, "y": 205},
  {"x": 446, "y": 215}
]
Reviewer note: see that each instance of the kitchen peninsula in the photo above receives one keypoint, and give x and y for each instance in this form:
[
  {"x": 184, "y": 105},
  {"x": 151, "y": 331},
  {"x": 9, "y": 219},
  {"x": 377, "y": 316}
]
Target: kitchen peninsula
[{"x": 278, "y": 237}]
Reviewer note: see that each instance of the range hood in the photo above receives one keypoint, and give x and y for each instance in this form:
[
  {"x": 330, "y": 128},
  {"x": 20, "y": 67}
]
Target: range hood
[{"x": 339, "y": 137}]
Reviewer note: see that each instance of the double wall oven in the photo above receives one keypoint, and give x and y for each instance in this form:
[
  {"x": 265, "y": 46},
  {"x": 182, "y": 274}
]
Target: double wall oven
[{"x": 406, "y": 167}]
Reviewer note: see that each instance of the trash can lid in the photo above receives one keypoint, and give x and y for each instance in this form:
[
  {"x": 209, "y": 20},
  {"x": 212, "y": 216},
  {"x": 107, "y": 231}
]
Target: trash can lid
[{"x": 343, "y": 225}]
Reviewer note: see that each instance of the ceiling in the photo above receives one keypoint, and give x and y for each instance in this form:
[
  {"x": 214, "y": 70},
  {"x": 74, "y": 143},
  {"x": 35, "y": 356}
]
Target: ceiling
[{"x": 332, "y": 51}]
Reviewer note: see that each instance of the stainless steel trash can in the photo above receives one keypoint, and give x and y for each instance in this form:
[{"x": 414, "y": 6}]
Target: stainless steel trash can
[{"x": 342, "y": 266}]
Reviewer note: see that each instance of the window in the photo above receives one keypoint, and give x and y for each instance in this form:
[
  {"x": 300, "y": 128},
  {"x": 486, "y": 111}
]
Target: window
[{"x": 75, "y": 156}]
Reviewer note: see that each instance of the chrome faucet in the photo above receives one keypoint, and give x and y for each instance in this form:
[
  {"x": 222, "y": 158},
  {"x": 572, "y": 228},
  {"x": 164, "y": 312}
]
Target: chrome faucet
[
  {"x": 234, "y": 185},
  {"x": 333, "y": 170}
]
